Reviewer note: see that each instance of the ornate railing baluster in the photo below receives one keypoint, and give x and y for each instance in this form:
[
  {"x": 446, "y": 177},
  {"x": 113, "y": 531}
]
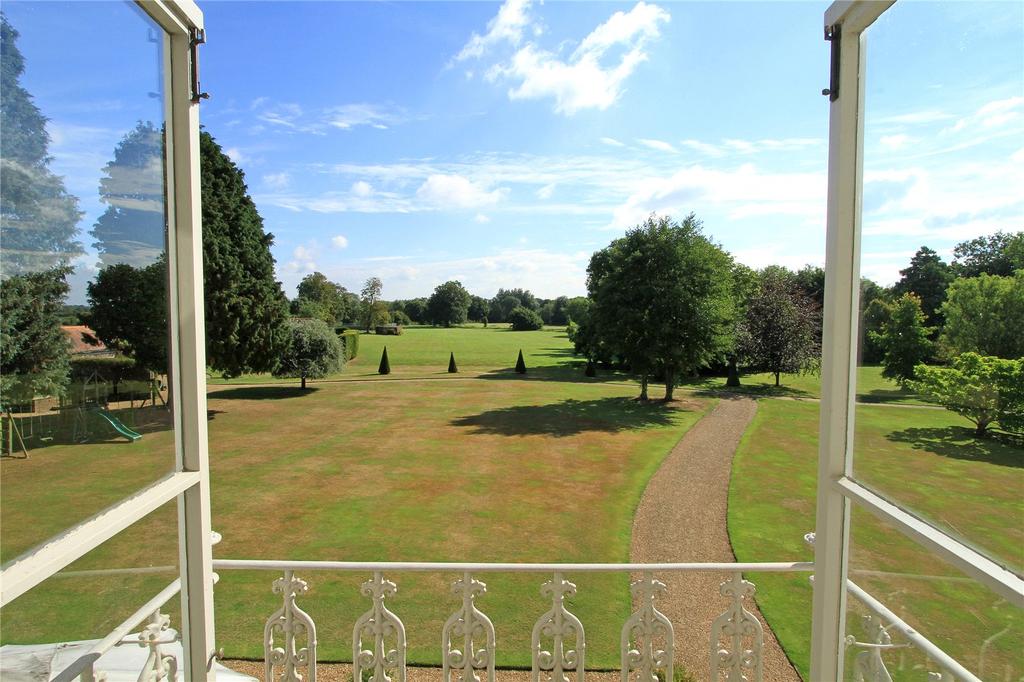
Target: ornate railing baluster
[
  {"x": 643, "y": 628},
  {"x": 561, "y": 626},
  {"x": 476, "y": 632},
  {"x": 380, "y": 625},
  {"x": 293, "y": 624},
  {"x": 737, "y": 626},
  {"x": 159, "y": 666}
]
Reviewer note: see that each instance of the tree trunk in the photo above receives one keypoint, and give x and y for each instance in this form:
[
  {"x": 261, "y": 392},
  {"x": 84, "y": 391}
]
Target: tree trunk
[
  {"x": 303, "y": 383},
  {"x": 670, "y": 384},
  {"x": 643, "y": 388},
  {"x": 980, "y": 428},
  {"x": 734, "y": 373},
  {"x": 777, "y": 379}
]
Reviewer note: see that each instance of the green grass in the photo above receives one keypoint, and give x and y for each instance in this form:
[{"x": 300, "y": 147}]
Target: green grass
[
  {"x": 872, "y": 387},
  {"x": 475, "y": 470},
  {"x": 975, "y": 488},
  {"x": 422, "y": 353}
]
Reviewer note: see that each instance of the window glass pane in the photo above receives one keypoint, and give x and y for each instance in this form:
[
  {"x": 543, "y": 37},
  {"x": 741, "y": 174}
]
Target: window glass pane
[
  {"x": 943, "y": 265},
  {"x": 85, "y": 373},
  {"x": 98, "y": 592},
  {"x": 969, "y": 622}
]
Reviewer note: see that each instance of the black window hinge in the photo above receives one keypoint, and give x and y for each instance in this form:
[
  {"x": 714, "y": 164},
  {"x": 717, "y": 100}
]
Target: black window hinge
[
  {"x": 832, "y": 34},
  {"x": 196, "y": 37}
]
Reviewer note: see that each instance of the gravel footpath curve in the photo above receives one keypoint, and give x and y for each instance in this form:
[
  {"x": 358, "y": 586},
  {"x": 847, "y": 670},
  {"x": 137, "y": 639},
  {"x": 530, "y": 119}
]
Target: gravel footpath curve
[{"x": 682, "y": 517}]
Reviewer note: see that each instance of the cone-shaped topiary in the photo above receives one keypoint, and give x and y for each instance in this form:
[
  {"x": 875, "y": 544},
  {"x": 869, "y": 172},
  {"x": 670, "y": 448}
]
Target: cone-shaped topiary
[
  {"x": 590, "y": 371},
  {"x": 452, "y": 368},
  {"x": 385, "y": 366},
  {"x": 520, "y": 363}
]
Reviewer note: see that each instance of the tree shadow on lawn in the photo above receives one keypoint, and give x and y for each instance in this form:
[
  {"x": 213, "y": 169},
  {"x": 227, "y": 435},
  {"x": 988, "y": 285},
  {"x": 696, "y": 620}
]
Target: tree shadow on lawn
[
  {"x": 710, "y": 387},
  {"x": 572, "y": 372},
  {"x": 262, "y": 393},
  {"x": 572, "y": 417},
  {"x": 886, "y": 395},
  {"x": 960, "y": 443}
]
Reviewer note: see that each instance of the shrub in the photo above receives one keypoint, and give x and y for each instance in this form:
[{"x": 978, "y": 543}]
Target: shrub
[
  {"x": 113, "y": 369},
  {"x": 314, "y": 351},
  {"x": 983, "y": 389},
  {"x": 524, "y": 319},
  {"x": 349, "y": 342},
  {"x": 399, "y": 317}
]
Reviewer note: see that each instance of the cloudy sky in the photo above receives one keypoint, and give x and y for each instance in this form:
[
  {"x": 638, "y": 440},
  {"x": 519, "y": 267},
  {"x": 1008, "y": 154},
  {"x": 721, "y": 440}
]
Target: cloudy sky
[{"x": 501, "y": 144}]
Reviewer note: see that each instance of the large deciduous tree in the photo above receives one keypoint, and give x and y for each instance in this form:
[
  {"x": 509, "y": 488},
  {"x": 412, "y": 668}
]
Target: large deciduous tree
[
  {"x": 34, "y": 358},
  {"x": 128, "y": 311},
  {"x": 985, "y": 315},
  {"x": 314, "y": 351},
  {"x": 903, "y": 339},
  {"x": 369, "y": 298},
  {"x": 928, "y": 276},
  {"x": 321, "y": 298},
  {"x": 38, "y": 217},
  {"x": 662, "y": 298},
  {"x": 999, "y": 254},
  {"x": 779, "y": 332},
  {"x": 449, "y": 304}
]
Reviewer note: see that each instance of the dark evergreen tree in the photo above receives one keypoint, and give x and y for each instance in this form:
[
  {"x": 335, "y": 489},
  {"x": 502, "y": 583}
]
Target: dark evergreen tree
[
  {"x": 38, "y": 217},
  {"x": 452, "y": 368},
  {"x": 928, "y": 276},
  {"x": 385, "y": 365},
  {"x": 34, "y": 358},
  {"x": 133, "y": 229},
  {"x": 521, "y": 363},
  {"x": 245, "y": 306}
]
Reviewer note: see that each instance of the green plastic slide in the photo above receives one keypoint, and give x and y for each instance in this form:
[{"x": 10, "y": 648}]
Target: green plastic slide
[{"x": 118, "y": 426}]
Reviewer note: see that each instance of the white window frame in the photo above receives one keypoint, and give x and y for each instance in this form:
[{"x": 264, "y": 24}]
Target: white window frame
[
  {"x": 189, "y": 483},
  {"x": 837, "y": 489}
]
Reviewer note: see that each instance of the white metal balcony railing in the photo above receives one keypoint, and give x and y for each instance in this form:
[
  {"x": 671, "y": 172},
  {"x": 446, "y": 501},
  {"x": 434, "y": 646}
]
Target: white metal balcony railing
[{"x": 558, "y": 642}]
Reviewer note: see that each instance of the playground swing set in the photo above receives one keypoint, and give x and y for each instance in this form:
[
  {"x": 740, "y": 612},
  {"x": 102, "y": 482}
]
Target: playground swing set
[{"x": 87, "y": 410}]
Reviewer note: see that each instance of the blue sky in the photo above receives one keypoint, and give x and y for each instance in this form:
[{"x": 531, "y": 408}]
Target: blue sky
[{"x": 501, "y": 144}]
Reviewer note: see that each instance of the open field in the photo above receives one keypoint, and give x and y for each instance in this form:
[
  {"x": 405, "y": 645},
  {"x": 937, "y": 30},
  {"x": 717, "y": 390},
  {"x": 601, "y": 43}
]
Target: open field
[
  {"x": 975, "y": 488},
  {"x": 502, "y": 470},
  {"x": 422, "y": 352}
]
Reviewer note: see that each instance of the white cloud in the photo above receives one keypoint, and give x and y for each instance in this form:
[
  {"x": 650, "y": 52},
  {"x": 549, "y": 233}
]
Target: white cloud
[
  {"x": 303, "y": 262},
  {"x": 658, "y": 145},
  {"x": 348, "y": 116},
  {"x": 292, "y": 118},
  {"x": 236, "y": 155},
  {"x": 277, "y": 180},
  {"x": 506, "y": 26},
  {"x": 456, "y": 191},
  {"x": 361, "y": 188},
  {"x": 481, "y": 218},
  {"x": 582, "y": 81},
  {"x": 612, "y": 142},
  {"x": 894, "y": 142},
  {"x": 340, "y": 241},
  {"x": 703, "y": 147},
  {"x": 546, "y": 191}
]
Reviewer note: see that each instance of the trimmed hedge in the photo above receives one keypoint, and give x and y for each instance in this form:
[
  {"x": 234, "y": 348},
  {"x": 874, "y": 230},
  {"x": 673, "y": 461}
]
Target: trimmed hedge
[
  {"x": 349, "y": 343},
  {"x": 109, "y": 368}
]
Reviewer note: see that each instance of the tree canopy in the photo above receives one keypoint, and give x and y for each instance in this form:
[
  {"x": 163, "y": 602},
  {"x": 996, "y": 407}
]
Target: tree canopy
[
  {"x": 34, "y": 357},
  {"x": 128, "y": 311},
  {"x": 999, "y": 254},
  {"x": 314, "y": 351},
  {"x": 662, "y": 298},
  {"x": 928, "y": 276},
  {"x": 323, "y": 299},
  {"x": 449, "y": 304},
  {"x": 245, "y": 306},
  {"x": 38, "y": 218},
  {"x": 984, "y": 314},
  {"x": 983, "y": 389},
  {"x": 779, "y": 331},
  {"x": 903, "y": 339}
]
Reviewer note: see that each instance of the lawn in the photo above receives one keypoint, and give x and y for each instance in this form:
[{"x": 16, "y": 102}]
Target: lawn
[
  {"x": 422, "y": 353},
  {"x": 872, "y": 387},
  {"x": 923, "y": 458},
  {"x": 477, "y": 470}
]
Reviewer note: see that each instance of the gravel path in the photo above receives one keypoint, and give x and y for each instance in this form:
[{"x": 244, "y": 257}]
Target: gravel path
[{"x": 682, "y": 517}]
